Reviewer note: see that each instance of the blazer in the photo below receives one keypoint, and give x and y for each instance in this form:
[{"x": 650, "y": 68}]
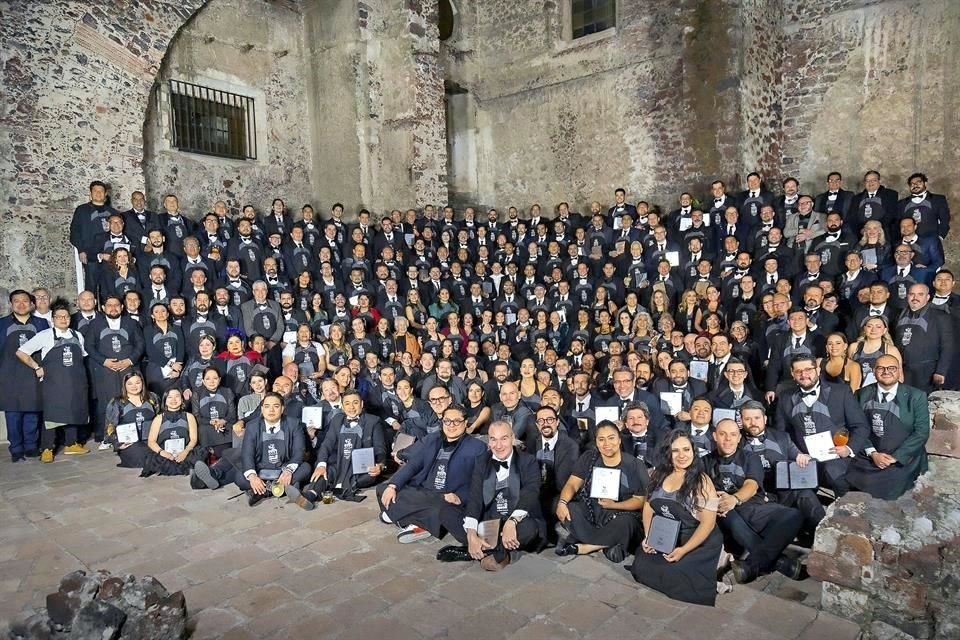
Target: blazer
[
  {"x": 529, "y": 499},
  {"x": 372, "y": 436},
  {"x": 459, "y": 471},
  {"x": 252, "y": 444},
  {"x": 565, "y": 455}
]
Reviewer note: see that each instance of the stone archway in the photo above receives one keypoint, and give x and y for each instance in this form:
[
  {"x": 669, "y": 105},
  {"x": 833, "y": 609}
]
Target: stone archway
[{"x": 77, "y": 77}]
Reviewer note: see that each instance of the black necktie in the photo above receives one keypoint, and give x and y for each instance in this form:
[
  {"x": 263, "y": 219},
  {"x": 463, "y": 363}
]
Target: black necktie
[
  {"x": 883, "y": 396},
  {"x": 797, "y": 343},
  {"x": 903, "y": 272},
  {"x": 579, "y": 407},
  {"x": 546, "y": 446}
]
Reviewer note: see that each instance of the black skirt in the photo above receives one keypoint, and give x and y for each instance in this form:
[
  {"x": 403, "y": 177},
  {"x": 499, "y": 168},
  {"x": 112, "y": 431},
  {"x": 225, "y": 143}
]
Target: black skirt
[{"x": 154, "y": 464}]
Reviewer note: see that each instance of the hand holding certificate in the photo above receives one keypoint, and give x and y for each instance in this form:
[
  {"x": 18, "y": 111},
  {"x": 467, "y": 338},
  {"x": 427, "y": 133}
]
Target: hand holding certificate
[
  {"x": 127, "y": 433},
  {"x": 312, "y": 417},
  {"x": 819, "y": 446},
  {"x": 362, "y": 460},
  {"x": 605, "y": 483}
]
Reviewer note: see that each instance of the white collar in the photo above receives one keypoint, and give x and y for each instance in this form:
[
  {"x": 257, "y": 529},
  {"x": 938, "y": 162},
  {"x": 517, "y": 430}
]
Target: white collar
[
  {"x": 113, "y": 323},
  {"x": 892, "y": 390},
  {"x": 272, "y": 427},
  {"x": 552, "y": 441}
]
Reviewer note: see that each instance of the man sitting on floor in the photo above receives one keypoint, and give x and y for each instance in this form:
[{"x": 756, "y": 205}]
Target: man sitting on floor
[
  {"x": 504, "y": 495},
  {"x": 437, "y": 474}
]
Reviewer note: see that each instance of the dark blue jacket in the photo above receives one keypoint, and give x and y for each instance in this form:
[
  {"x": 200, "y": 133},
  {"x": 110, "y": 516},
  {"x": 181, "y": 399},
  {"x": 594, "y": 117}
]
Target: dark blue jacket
[{"x": 417, "y": 469}]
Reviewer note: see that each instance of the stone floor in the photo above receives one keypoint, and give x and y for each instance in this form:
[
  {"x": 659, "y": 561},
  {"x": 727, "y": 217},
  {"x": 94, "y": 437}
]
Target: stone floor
[{"x": 276, "y": 571}]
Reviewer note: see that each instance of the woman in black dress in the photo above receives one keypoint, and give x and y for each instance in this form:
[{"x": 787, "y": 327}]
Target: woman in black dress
[
  {"x": 134, "y": 407},
  {"x": 681, "y": 490},
  {"x": 172, "y": 440},
  {"x": 603, "y": 524}
]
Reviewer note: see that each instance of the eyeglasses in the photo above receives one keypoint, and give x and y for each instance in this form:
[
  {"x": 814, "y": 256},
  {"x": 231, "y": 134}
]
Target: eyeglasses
[
  {"x": 439, "y": 399},
  {"x": 807, "y": 370},
  {"x": 453, "y": 423},
  {"x": 543, "y": 421},
  {"x": 891, "y": 369},
  {"x": 737, "y": 372}
]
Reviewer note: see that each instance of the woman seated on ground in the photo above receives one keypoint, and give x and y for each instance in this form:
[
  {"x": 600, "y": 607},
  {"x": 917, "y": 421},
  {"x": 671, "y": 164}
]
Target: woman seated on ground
[
  {"x": 681, "y": 490},
  {"x": 128, "y": 419},
  {"x": 215, "y": 408},
  {"x": 172, "y": 440},
  {"x": 603, "y": 524}
]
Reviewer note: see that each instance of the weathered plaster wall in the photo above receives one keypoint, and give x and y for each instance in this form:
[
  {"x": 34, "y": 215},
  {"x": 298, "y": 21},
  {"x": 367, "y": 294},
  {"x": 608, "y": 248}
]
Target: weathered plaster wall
[
  {"x": 652, "y": 107},
  {"x": 872, "y": 84},
  {"x": 378, "y": 103},
  {"x": 253, "y": 48},
  {"x": 76, "y": 76}
]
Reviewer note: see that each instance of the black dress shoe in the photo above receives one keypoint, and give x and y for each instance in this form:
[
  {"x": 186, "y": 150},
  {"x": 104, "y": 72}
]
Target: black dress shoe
[
  {"x": 789, "y": 567},
  {"x": 567, "y": 549},
  {"x": 453, "y": 553},
  {"x": 17, "y": 457},
  {"x": 253, "y": 499},
  {"x": 33, "y": 453},
  {"x": 743, "y": 572},
  {"x": 615, "y": 553}
]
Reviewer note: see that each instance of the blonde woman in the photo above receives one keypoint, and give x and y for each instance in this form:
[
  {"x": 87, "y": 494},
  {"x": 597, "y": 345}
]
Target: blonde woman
[
  {"x": 874, "y": 341},
  {"x": 338, "y": 350}
]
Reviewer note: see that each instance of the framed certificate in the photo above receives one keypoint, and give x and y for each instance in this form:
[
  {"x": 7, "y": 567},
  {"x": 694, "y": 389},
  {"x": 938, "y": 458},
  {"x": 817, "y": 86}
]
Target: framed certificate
[
  {"x": 664, "y": 534},
  {"x": 174, "y": 445}
]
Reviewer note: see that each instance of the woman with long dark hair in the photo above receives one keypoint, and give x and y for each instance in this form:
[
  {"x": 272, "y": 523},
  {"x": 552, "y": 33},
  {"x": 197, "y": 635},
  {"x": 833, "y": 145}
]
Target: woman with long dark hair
[
  {"x": 680, "y": 490},
  {"x": 172, "y": 440},
  {"x": 603, "y": 524},
  {"x": 129, "y": 415}
]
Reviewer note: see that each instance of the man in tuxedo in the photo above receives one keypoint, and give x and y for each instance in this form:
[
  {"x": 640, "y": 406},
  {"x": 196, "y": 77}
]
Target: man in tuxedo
[
  {"x": 437, "y": 473},
  {"x": 718, "y": 202},
  {"x": 928, "y": 249},
  {"x": 620, "y": 207},
  {"x": 774, "y": 447},
  {"x": 505, "y": 486},
  {"x": 679, "y": 381},
  {"x": 835, "y": 198},
  {"x": 786, "y": 346},
  {"x": 819, "y": 320},
  {"x": 736, "y": 389},
  {"x": 877, "y": 306},
  {"x": 875, "y": 202},
  {"x": 816, "y": 406},
  {"x": 930, "y": 211},
  {"x": 272, "y": 452},
  {"x": 903, "y": 274},
  {"x": 556, "y": 453},
  {"x": 138, "y": 220},
  {"x": 751, "y": 199}
]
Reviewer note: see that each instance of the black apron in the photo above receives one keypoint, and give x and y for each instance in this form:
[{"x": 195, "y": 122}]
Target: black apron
[
  {"x": 64, "y": 385},
  {"x": 273, "y": 454},
  {"x": 211, "y": 405},
  {"x": 887, "y": 433},
  {"x": 21, "y": 387},
  {"x": 349, "y": 438}
]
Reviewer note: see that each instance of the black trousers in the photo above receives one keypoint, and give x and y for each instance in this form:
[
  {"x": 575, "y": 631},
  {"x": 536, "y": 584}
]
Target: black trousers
[
  {"x": 528, "y": 531},
  {"x": 415, "y": 505},
  {"x": 805, "y": 501},
  {"x": 48, "y": 437},
  {"x": 764, "y": 530},
  {"x": 314, "y": 490},
  {"x": 624, "y": 529},
  {"x": 301, "y": 475},
  {"x": 918, "y": 375}
]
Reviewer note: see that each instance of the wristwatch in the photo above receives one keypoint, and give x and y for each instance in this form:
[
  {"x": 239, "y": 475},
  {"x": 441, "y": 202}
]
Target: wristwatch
[{"x": 514, "y": 519}]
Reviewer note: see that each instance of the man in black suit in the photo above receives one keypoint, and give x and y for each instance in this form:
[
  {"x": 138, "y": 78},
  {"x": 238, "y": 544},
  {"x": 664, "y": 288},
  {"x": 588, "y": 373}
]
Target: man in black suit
[
  {"x": 875, "y": 202},
  {"x": 835, "y": 198},
  {"x": 816, "y": 407},
  {"x": 556, "y": 453},
  {"x": 751, "y": 199},
  {"x": 620, "y": 206},
  {"x": 175, "y": 226},
  {"x": 929, "y": 210},
  {"x": 679, "y": 381},
  {"x": 138, "y": 220},
  {"x": 798, "y": 340},
  {"x": 819, "y": 320},
  {"x": 925, "y": 337},
  {"x": 626, "y": 393},
  {"x": 353, "y": 429},
  {"x": 736, "y": 388},
  {"x": 637, "y": 438},
  {"x": 773, "y": 447},
  {"x": 505, "y": 487},
  {"x": 271, "y": 453},
  {"x": 437, "y": 473},
  {"x": 717, "y": 203},
  {"x": 877, "y": 306}
]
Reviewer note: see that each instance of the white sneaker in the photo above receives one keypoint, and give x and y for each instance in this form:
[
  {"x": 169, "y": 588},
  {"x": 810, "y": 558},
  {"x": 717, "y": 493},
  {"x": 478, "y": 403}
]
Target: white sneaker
[
  {"x": 384, "y": 518},
  {"x": 105, "y": 446},
  {"x": 413, "y": 533}
]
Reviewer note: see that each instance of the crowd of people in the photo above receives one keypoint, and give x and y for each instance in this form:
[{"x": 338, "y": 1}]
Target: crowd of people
[{"x": 690, "y": 388}]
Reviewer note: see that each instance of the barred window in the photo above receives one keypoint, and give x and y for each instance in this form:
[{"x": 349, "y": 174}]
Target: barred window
[
  {"x": 212, "y": 122},
  {"x": 591, "y": 16}
]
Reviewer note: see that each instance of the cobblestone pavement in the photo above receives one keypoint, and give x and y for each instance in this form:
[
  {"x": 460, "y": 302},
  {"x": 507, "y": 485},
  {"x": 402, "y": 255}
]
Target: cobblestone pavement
[{"x": 276, "y": 571}]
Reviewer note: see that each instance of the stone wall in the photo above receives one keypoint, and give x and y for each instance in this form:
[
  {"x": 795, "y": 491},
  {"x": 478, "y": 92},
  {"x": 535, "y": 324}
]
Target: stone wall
[
  {"x": 651, "y": 105},
  {"x": 252, "y": 48},
  {"x": 873, "y": 84},
  {"x": 894, "y": 566},
  {"x": 76, "y": 77}
]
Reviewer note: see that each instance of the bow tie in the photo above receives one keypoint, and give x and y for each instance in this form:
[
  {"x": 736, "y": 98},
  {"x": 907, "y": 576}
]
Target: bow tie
[
  {"x": 833, "y": 194},
  {"x": 875, "y": 312},
  {"x": 502, "y": 464},
  {"x": 808, "y": 394},
  {"x": 116, "y": 238}
]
